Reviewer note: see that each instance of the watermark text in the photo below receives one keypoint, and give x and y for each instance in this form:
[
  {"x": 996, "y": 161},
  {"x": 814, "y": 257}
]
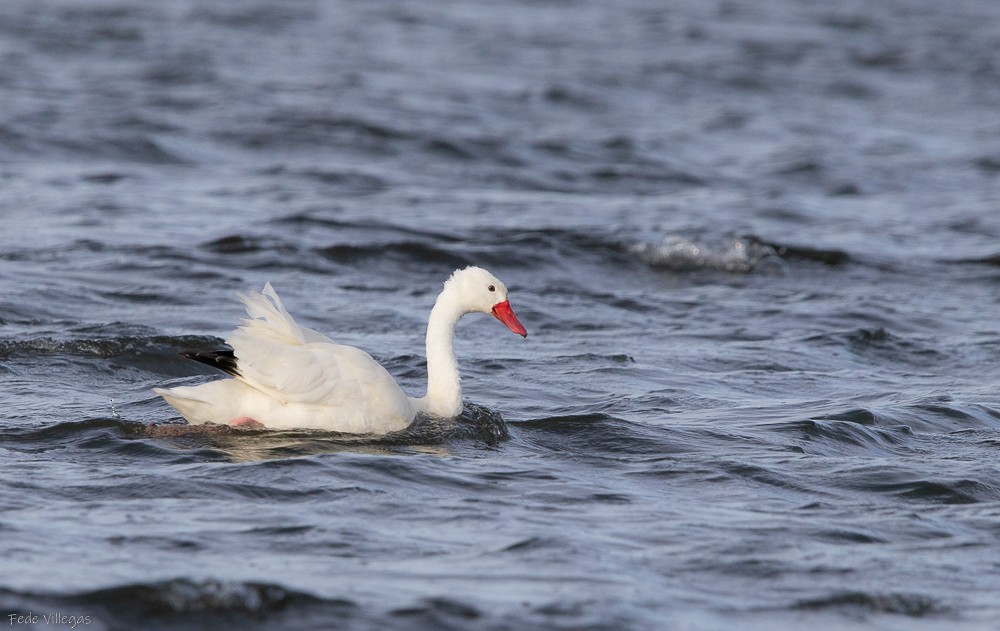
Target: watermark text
[{"x": 51, "y": 618}]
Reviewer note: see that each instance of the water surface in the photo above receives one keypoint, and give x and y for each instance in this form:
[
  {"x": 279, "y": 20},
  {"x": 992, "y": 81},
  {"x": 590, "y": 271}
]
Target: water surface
[{"x": 755, "y": 245}]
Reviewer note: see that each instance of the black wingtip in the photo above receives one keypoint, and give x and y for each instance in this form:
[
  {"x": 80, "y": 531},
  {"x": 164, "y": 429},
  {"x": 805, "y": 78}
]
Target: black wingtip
[{"x": 223, "y": 359}]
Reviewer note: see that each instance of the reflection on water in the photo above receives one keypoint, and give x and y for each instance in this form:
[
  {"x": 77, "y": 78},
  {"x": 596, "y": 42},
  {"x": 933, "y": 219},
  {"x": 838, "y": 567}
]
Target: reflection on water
[{"x": 430, "y": 436}]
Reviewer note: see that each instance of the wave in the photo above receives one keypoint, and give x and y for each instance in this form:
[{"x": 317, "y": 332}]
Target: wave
[
  {"x": 102, "y": 347},
  {"x": 268, "y": 18},
  {"x": 210, "y": 604},
  {"x": 364, "y": 229},
  {"x": 598, "y": 436},
  {"x": 179, "y": 604},
  {"x": 878, "y": 343},
  {"x": 826, "y": 256},
  {"x": 437, "y": 613},
  {"x": 126, "y": 147},
  {"x": 400, "y": 251},
  {"x": 889, "y": 430},
  {"x": 146, "y": 260},
  {"x": 387, "y": 244},
  {"x": 992, "y": 260},
  {"x": 296, "y": 128},
  {"x": 737, "y": 255},
  {"x": 608, "y": 165},
  {"x": 332, "y": 243},
  {"x": 831, "y": 436},
  {"x": 677, "y": 253},
  {"x": 962, "y": 491},
  {"x": 910, "y": 605}
]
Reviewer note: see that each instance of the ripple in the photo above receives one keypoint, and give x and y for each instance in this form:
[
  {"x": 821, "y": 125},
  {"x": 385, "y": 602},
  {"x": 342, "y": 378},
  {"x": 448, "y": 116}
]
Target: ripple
[
  {"x": 404, "y": 251},
  {"x": 181, "y": 602},
  {"x": 735, "y": 256},
  {"x": 879, "y": 343},
  {"x": 437, "y": 613},
  {"x": 741, "y": 255},
  {"x": 911, "y": 605},
  {"x": 917, "y": 487},
  {"x": 596, "y": 436},
  {"x": 102, "y": 347},
  {"x": 829, "y": 437}
]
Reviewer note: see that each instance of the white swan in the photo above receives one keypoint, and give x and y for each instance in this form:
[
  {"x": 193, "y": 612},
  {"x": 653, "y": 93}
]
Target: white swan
[{"x": 290, "y": 376}]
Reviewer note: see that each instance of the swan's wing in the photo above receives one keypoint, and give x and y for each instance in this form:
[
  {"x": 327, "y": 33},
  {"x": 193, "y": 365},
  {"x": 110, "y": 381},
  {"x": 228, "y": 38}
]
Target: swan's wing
[
  {"x": 317, "y": 373},
  {"x": 270, "y": 321},
  {"x": 297, "y": 365}
]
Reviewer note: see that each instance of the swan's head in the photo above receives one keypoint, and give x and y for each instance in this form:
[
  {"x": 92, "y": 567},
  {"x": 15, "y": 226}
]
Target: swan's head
[{"x": 475, "y": 289}]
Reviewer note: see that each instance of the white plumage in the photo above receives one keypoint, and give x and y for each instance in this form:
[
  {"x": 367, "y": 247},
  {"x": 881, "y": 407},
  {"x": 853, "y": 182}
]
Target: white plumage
[{"x": 289, "y": 376}]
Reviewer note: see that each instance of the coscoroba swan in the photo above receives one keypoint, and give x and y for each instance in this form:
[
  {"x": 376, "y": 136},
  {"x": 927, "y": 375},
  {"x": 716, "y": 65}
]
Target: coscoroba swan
[{"x": 290, "y": 376}]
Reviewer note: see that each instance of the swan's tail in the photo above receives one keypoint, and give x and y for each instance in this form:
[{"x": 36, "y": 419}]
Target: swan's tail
[{"x": 207, "y": 403}]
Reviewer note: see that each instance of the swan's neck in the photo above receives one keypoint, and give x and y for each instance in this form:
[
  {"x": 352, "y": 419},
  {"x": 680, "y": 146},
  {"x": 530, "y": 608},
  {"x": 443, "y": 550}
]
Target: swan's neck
[{"x": 444, "y": 388}]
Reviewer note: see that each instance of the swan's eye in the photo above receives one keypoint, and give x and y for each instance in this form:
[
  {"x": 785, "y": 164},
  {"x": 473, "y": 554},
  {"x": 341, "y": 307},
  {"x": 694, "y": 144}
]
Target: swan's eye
[{"x": 491, "y": 288}]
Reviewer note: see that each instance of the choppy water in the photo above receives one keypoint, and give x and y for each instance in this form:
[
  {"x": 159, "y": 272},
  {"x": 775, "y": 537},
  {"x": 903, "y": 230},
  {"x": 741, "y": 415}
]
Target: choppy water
[{"x": 755, "y": 245}]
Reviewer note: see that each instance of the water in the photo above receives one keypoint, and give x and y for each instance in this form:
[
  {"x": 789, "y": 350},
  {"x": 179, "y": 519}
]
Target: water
[{"x": 755, "y": 245}]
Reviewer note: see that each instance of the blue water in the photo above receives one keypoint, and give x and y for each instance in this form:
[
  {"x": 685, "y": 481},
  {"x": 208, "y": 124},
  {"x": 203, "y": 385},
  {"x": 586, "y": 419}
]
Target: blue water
[{"x": 756, "y": 246}]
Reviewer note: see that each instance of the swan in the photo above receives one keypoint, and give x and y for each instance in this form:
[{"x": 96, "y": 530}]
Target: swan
[{"x": 289, "y": 376}]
